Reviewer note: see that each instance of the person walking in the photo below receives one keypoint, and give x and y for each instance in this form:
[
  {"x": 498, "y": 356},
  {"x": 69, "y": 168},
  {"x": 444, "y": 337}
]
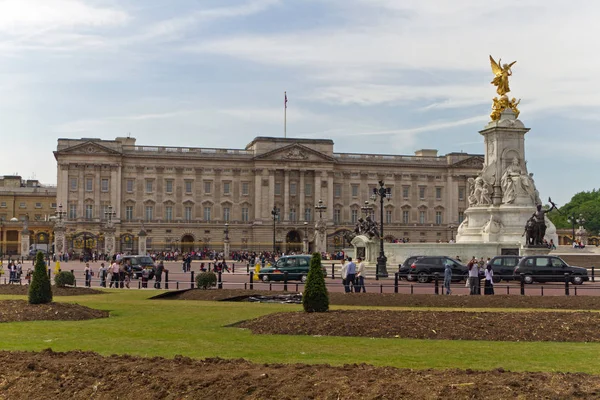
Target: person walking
[
  {"x": 159, "y": 271},
  {"x": 115, "y": 274},
  {"x": 344, "y": 273},
  {"x": 473, "y": 276},
  {"x": 447, "y": 277},
  {"x": 351, "y": 276},
  {"x": 488, "y": 288},
  {"x": 360, "y": 276},
  {"x": 88, "y": 275},
  {"x": 102, "y": 275}
]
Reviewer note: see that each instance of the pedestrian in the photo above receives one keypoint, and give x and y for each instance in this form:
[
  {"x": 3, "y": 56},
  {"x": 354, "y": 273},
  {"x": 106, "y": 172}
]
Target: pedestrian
[
  {"x": 159, "y": 271},
  {"x": 102, "y": 275},
  {"x": 473, "y": 266},
  {"x": 360, "y": 276},
  {"x": 88, "y": 275},
  {"x": 344, "y": 273},
  {"x": 115, "y": 274},
  {"x": 489, "y": 280},
  {"x": 351, "y": 275},
  {"x": 448, "y": 277},
  {"x": 145, "y": 276}
]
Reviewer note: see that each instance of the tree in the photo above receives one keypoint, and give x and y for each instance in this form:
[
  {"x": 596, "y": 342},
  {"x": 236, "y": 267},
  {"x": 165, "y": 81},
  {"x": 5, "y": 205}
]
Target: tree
[
  {"x": 585, "y": 203},
  {"x": 315, "y": 297},
  {"x": 40, "y": 291}
]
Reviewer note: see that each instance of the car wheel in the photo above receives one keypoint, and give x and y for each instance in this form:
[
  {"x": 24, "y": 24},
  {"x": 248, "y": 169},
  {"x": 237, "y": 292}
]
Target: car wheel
[
  {"x": 303, "y": 279},
  {"x": 265, "y": 278},
  {"x": 528, "y": 279},
  {"x": 496, "y": 279},
  {"x": 423, "y": 277},
  {"x": 410, "y": 278},
  {"x": 577, "y": 279}
]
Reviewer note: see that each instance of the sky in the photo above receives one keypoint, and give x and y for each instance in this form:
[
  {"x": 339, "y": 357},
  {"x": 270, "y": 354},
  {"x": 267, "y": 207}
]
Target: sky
[{"x": 375, "y": 76}]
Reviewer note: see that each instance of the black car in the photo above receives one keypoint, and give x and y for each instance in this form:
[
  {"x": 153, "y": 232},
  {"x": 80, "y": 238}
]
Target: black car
[
  {"x": 426, "y": 268},
  {"x": 139, "y": 263},
  {"x": 296, "y": 267},
  {"x": 404, "y": 268},
  {"x": 504, "y": 267},
  {"x": 547, "y": 269}
]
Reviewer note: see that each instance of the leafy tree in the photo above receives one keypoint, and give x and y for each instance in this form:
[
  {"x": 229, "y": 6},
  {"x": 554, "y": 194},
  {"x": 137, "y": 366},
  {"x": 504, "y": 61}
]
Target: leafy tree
[
  {"x": 40, "y": 291},
  {"x": 315, "y": 297},
  {"x": 585, "y": 203}
]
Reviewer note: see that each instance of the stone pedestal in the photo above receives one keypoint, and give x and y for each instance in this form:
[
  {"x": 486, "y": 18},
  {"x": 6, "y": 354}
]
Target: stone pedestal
[
  {"x": 321, "y": 237},
  {"x": 305, "y": 245},
  {"x": 365, "y": 248},
  {"x": 581, "y": 235},
  {"x": 59, "y": 240},
  {"x": 534, "y": 251},
  {"x": 109, "y": 241},
  {"x": 503, "y": 196},
  {"x": 25, "y": 239},
  {"x": 142, "y": 237},
  {"x": 226, "y": 248}
]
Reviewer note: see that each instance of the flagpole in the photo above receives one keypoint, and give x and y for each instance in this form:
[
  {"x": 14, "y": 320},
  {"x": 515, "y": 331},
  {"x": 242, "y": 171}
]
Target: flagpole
[{"x": 285, "y": 115}]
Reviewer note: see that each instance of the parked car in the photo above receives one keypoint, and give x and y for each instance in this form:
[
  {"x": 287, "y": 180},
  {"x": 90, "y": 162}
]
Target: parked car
[
  {"x": 425, "y": 268},
  {"x": 296, "y": 266},
  {"x": 404, "y": 271},
  {"x": 547, "y": 269},
  {"x": 138, "y": 263},
  {"x": 504, "y": 267}
]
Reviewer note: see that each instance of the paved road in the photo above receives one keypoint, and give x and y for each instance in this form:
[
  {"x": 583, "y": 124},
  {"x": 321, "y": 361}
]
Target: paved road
[{"x": 240, "y": 279}]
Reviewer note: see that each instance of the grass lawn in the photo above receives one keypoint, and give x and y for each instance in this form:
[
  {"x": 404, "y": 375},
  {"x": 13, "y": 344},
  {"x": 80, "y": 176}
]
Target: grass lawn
[{"x": 197, "y": 329}]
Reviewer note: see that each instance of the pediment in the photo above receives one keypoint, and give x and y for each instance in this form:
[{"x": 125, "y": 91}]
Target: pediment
[
  {"x": 471, "y": 162},
  {"x": 295, "y": 152},
  {"x": 89, "y": 147}
]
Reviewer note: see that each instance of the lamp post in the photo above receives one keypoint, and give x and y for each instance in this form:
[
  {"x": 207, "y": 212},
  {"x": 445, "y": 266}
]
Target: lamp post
[
  {"x": 381, "y": 192},
  {"x": 572, "y": 219},
  {"x": 320, "y": 207},
  {"x": 274, "y": 214},
  {"x": 305, "y": 237},
  {"x": 226, "y": 231},
  {"x": 451, "y": 227},
  {"x": 367, "y": 209}
]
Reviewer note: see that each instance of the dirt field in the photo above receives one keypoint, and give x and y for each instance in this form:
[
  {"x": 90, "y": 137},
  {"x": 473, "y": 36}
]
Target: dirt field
[
  {"x": 412, "y": 300},
  {"x": 80, "y": 375},
  {"x": 21, "y": 310}
]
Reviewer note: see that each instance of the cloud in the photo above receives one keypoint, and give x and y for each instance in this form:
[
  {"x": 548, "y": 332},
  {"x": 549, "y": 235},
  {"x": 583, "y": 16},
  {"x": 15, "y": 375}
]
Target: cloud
[{"x": 21, "y": 16}]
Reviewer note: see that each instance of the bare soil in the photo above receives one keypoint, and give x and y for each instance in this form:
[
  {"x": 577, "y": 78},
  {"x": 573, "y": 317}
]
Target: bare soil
[
  {"x": 84, "y": 375},
  {"x": 21, "y": 310},
  {"x": 451, "y": 325},
  {"x": 56, "y": 291},
  {"x": 411, "y": 300}
]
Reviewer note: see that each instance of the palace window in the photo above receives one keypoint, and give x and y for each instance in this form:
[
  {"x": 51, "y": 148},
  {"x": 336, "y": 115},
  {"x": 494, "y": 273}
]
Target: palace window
[
  {"x": 337, "y": 216},
  {"x": 169, "y": 213},
  {"x": 422, "y": 218},
  {"x": 354, "y": 190},
  {"x": 337, "y": 190},
  {"x": 226, "y": 212},
  {"x": 293, "y": 214},
  {"x": 169, "y": 186},
  {"x": 149, "y": 213},
  {"x": 405, "y": 217},
  {"x": 73, "y": 184},
  {"x": 207, "y": 187},
  {"x": 72, "y": 211},
  {"x": 292, "y": 189},
  {"x": 277, "y": 189},
  {"x": 104, "y": 185},
  {"x": 438, "y": 193},
  {"x": 422, "y": 192},
  {"x": 188, "y": 186},
  {"x": 188, "y": 214},
  {"x": 461, "y": 193},
  {"x": 89, "y": 211},
  {"x": 308, "y": 214},
  {"x": 405, "y": 191},
  {"x": 207, "y": 211},
  {"x": 129, "y": 186},
  {"x": 149, "y": 186},
  {"x": 245, "y": 188},
  {"x": 89, "y": 184},
  {"x": 129, "y": 213},
  {"x": 308, "y": 189},
  {"x": 461, "y": 216},
  {"x": 226, "y": 187},
  {"x": 388, "y": 216},
  {"x": 438, "y": 217},
  {"x": 354, "y": 216},
  {"x": 245, "y": 217}
]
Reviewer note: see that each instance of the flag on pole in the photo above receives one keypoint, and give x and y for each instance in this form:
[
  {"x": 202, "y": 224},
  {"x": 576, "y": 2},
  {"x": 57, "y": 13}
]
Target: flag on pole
[{"x": 285, "y": 102}]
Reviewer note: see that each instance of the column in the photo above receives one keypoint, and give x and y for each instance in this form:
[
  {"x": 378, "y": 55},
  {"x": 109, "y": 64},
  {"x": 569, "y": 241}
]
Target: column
[
  {"x": 317, "y": 190},
  {"x": 98, "y": 211},
  {"x": 80, "y": 192},
  {"x": 301, "y": 193},
  {"x": 286, "y": 195},
  {"x": 271, "y": 190},
  {"x": 451, "y": 201},
  {"x": 257, "y": 193},
  {"x": 329, "y": 195}
]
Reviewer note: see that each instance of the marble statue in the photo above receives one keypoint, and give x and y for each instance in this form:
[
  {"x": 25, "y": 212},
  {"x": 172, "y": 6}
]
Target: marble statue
[
  {"x": 511, "y": 181},
  {"x": 501, "y": 75}
]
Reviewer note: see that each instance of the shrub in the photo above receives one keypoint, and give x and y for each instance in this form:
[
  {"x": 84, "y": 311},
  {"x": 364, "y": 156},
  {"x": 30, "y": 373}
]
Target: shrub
[
  {"x": 64, "y": 278},
  {"x": 40, "y": 291},
  {"x": 206, "y": 280},
  {"x": 315, "y": 297}
]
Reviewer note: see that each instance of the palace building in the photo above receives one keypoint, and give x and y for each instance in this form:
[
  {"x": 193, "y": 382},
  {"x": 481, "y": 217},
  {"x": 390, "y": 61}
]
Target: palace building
[{"x": 187, "y": 197}]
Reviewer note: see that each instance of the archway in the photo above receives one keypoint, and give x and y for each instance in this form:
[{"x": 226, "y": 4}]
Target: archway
[
  {"x": 187, "y": 243},
  {"x": 293, "y": 242}
]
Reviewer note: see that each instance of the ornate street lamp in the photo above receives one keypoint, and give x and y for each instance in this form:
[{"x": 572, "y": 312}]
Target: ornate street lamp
[
  {"x": 383, "y": 193},
  {"x": 226, "y": 231},
  {"x": 575, "y": 220},
  {"x": 274, "y": 214},
  {"x": 367, "y": 209},
  {"x": 451, "y": 227},
  {"x": 320, "y": 207}
]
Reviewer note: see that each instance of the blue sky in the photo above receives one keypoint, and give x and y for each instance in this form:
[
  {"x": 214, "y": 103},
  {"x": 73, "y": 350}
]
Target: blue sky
[{"x": 376, "y": 76}]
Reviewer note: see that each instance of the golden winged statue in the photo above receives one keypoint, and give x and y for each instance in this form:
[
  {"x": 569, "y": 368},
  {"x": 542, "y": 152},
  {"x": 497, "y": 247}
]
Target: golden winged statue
[{"x": 502, "y": 73}]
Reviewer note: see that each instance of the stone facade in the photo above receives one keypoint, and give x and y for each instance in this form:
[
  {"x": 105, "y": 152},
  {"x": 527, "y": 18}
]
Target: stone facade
[
  {"x": 25, "y": 203},
  {"x": 183, "y": 196}
]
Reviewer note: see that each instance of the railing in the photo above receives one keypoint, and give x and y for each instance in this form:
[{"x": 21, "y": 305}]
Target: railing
[{"x": 187, "y": 150}]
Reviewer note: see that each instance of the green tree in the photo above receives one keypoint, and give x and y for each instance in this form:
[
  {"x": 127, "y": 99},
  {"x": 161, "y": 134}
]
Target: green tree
[
  {"x": 40, "y": 291},
  {"x": 585, "y": 203},
  {"x": 315, "y": 297}
]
